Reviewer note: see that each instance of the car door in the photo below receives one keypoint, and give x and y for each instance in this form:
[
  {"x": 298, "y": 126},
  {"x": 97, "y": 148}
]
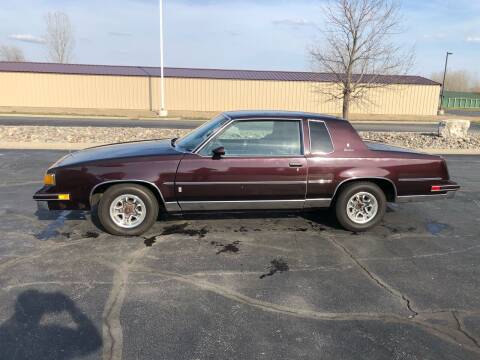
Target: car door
[{"x": 263, "y": 167}]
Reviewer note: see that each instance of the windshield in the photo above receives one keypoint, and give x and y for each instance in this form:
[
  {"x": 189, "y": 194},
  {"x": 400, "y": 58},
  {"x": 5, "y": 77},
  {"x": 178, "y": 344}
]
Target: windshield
[{"x": 190, "y": 141}]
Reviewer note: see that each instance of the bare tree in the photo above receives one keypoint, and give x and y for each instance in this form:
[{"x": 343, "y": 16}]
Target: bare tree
[
  {"x": 358, "y": 50},
  {"x": 459, "y": 80},
  {"x": 11, "y": 53},
  {"x": 59, "y": 38}
]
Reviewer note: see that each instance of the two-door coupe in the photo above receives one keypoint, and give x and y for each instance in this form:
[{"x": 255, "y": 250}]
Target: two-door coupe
[{"x": 244, "y": 161}]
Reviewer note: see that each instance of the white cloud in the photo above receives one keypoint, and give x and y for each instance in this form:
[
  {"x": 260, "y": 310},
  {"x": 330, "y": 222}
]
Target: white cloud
[
  {"x": 27, "y": 38},
  {"x": 474, "y": 39},
  {"x": 293, "y": 22}
]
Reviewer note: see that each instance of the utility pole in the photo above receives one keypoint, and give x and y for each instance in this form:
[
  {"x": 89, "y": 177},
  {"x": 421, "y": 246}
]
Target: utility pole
[
  {"x": 443, "y": 82},
  {"x": 162, "y": 111}
]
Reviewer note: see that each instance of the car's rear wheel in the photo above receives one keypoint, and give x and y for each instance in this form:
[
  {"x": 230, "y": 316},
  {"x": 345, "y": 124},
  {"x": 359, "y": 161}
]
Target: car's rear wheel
[
  {"x": 127, "y": 209},
  {"x": 360, "y": 206}
]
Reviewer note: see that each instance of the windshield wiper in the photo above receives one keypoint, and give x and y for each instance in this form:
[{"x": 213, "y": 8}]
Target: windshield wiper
[{"x": 173, "y": 141}]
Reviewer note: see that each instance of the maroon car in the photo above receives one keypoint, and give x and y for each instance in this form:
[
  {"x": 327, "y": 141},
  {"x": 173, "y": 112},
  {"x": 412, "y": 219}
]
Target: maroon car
[{"x": 243, "y": 161}]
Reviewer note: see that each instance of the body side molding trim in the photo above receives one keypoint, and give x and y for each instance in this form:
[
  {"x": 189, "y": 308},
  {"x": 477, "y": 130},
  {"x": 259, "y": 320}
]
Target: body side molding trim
[
  {"x": 421, "y": 179},
  {"x": 242, "y": 205},
  {"x": 321, "y": 181},
  {"x": 186, "y": 183}
]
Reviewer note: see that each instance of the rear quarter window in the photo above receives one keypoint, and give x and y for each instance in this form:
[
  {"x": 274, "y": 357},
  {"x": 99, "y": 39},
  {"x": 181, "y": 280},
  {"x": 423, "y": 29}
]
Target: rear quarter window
[{"x": 320, "y": 141}]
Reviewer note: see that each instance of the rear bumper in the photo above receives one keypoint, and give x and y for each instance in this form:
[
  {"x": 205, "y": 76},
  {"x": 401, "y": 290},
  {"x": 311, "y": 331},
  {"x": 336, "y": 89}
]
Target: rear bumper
[
  {"x": 418, "y": 198},
  {"x": 446, "y": 191}
]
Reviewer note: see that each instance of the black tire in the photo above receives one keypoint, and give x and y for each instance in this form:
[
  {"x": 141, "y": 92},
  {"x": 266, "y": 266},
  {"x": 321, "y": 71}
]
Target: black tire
[
  {"x": 112, "y": 193},
  {"x": 350, "y": 190}
]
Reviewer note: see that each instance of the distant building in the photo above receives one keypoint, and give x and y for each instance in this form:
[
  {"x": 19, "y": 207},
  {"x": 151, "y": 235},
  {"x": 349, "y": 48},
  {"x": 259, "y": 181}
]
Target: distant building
[
  {"x": 110, "y": 90},
  {"x": 461, "y": 100}
]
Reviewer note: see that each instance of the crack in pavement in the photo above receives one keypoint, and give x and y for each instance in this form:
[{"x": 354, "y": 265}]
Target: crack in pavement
[
  {"x": 88, "y": 284},
  {"x": 338, "y": 267},
  {"x": 464, "y": 331},
  {"x": 443, "y": 332},
  {"x": 420, "y": 256},
  {"x": 406, "y": 301},
  {"x": 112, "y": 327}
]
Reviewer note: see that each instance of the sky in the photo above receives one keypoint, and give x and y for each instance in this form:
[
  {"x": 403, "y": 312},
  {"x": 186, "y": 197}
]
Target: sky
[{"x": 233, "y": 34}]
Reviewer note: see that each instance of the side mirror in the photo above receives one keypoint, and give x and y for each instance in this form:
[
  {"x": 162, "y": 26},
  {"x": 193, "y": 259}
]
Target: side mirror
[{"x": 218, "y": 152}]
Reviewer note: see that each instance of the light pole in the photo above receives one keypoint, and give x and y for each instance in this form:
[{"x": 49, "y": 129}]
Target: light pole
[
  {"x": 162, "y": 111},
  {"x": 443, "y": 82}
]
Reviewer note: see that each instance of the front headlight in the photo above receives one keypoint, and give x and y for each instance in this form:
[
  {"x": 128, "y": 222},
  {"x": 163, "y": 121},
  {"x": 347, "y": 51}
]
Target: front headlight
[{"x": 49, "y": 179}]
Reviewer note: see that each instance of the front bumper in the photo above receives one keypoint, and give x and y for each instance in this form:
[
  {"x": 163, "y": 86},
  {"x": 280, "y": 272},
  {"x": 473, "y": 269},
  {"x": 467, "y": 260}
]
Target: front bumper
[
  {"x": 38, "y": 196},
  {"x": 57, "y": 199}
]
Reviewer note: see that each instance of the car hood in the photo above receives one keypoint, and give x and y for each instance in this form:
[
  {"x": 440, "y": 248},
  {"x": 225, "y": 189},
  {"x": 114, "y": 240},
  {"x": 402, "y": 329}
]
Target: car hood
[{"x": 118, "y": 151}]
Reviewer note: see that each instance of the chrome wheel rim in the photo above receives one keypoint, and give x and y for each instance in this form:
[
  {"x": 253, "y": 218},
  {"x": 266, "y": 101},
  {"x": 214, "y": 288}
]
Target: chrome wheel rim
[
  {"x": 362, "y": 207},
  {"x": 128, "y": 211}
]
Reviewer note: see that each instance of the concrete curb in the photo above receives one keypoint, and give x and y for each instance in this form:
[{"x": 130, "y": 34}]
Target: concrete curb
[{"x": 80, "y": 146}]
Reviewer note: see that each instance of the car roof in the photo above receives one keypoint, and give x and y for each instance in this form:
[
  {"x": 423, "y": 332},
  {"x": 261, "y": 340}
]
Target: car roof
[{"x": 245, "y": 114}]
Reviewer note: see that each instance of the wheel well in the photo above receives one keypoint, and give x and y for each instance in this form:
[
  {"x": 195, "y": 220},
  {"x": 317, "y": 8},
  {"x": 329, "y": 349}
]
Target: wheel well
[
  {"x": 100, "y": 189},
  {"x": 386, "y": 185}
]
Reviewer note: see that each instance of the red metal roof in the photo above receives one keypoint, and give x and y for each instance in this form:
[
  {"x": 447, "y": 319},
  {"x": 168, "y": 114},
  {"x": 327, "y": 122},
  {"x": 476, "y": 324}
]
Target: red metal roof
[{"x": 79, "y": 69}]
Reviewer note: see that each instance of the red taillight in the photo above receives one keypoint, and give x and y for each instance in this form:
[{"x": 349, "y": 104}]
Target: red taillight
[{"x": 436, "y": 188}]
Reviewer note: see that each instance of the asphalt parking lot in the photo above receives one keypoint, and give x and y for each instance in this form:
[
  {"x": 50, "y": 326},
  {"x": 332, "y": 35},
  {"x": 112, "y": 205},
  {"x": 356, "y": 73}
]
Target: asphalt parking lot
[{"x": 252, "y": 287}]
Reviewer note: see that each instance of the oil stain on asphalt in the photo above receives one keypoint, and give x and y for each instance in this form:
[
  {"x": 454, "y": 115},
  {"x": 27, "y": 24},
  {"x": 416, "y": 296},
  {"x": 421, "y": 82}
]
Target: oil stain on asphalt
[
  {"x": 90, "y": 235},
  {"x": 176, "y": 229},
  {"x": 150, "y": 241},
  {"x": 276, "y": 265},
  {"x": 228, "y": 248},
  {"x": 436, "y": 228},
  {"x": 181, "y": 229}
]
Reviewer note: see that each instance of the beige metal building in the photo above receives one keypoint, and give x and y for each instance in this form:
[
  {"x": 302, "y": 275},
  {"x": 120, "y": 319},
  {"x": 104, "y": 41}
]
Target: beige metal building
[{"x": 99, "y": 89}]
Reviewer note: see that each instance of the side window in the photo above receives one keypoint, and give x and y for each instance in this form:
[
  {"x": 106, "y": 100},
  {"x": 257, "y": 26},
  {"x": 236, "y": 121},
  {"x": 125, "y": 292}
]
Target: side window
[
  {"x": 258, "y": 138},
  {"x": 320, "y": 141}
]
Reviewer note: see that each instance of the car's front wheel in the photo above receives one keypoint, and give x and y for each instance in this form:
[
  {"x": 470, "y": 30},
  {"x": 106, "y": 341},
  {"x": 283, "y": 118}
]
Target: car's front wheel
[
  {"x": 360, "y": 206},
  {"x": 127, "y": 209}
]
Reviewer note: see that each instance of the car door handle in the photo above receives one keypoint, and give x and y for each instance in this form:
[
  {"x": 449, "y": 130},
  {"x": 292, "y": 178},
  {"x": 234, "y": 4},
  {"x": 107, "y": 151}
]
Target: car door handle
[{"x": 295, "y": 164}]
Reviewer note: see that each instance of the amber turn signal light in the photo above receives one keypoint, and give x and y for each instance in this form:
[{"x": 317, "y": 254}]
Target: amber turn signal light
[{"x": 49, "y": 179}]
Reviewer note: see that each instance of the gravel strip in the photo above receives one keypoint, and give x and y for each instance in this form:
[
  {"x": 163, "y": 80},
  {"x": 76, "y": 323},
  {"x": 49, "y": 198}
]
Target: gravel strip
[
  {"x": 423, "y": 141},
  {"x": 92, "y": 135},
  {"x": 98, "y": 135}
]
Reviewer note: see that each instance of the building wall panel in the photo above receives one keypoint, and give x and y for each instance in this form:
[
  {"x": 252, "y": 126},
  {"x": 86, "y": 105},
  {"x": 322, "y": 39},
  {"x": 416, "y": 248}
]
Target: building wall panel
[{"x": 209, "y": 95}]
